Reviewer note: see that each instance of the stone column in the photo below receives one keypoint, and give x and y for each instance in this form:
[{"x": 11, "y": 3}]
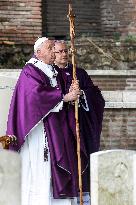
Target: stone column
[
  {"x": 113, "y": 177},
  {"x": 10, "y": 178}
]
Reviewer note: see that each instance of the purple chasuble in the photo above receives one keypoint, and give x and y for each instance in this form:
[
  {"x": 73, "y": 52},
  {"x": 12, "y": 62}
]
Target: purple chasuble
[
  {"x": 90, "y": 121},
  {"x": 32, "y": 99}
]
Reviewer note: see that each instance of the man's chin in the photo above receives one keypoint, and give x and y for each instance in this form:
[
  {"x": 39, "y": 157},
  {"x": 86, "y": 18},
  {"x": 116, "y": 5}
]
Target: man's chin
[
  {"x": 52, "y": 60},
  {"x": 64, "y": 60}
]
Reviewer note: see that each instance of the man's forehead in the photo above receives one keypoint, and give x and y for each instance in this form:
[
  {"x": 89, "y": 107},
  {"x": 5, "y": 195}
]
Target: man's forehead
[
  {"x": 49, "y": 43},
  {"x": 60, "y": 45}
]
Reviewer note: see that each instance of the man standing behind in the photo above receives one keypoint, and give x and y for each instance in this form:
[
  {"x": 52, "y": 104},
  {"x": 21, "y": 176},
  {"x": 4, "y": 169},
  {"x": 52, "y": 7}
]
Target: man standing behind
[
  {"x": 37, "y": 118},
  {"x": 91, "y": 105}
]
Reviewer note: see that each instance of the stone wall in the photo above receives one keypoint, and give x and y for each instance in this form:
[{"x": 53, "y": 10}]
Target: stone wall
[
  {"x": 14, "y": 56},
  {"x": 119, "y": 55},
  {"x": 87, "y": 21},
  {"x": 119, "y": 129},
  {"x": 113, "y": 83},
  {"x": 118, "y": 17}
]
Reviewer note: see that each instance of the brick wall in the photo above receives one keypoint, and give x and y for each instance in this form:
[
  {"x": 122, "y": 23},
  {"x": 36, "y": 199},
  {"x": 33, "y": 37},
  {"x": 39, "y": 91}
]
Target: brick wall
[
  {"x": 20, "y": 21},
  {"x": 118, "y": 16},
  {"x": 87, "y": 21},
  {"x": 119, "y": 129},
  {"x": 115, "y": 82},
  {"x": 94, "y": 18}
]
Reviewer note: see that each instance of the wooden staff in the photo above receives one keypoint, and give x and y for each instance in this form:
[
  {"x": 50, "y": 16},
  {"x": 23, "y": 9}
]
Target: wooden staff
[{"x": 73, "y": 52}]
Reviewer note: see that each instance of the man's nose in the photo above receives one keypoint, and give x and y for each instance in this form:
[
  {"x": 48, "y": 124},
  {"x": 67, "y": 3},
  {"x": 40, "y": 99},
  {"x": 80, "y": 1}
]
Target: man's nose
[
  {"x": 53, "y": 54},
  {"x": 64, "y": 53},
  {"x": 53, "y": 50}
]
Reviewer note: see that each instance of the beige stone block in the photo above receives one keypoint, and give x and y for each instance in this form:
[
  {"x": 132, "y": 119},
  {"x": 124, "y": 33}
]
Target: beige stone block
[
  {"x": 10, "y": 178},
  {"x": 112, "y": 96},
  {"x": 129, "y": 96},
  {"x": 113, "y": 177}
]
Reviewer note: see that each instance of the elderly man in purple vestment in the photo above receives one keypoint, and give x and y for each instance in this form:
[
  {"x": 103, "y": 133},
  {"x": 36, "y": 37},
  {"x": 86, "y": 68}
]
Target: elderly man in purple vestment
[
  {"x": 91, "y": 107},
  {"x": 45, "y": 132}
]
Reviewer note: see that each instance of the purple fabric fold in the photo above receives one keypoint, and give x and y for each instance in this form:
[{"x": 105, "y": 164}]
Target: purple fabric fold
[
  {"x": 32, "y": 99},
  {"x": 90, "y": 124}
]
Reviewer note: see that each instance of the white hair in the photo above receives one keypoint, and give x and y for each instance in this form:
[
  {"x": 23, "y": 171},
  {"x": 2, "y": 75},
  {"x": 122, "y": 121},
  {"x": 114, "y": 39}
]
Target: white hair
[
  {"x": 60, "y": 41},
  {"x": 39, "y": 43}
]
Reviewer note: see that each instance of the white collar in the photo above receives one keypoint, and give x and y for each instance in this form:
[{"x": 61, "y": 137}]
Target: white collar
[
  {"x": 46, "y": 68},
  {"x": 61, "y": 67}
]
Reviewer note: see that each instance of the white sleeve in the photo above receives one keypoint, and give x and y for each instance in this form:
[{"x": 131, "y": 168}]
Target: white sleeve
[
  {"x": 58, "y": 107},
  {"x": 83, "y": 101}
]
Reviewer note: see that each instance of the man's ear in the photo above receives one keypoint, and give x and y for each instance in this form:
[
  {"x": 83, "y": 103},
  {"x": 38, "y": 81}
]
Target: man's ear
[{"x": 38, "y": 51}]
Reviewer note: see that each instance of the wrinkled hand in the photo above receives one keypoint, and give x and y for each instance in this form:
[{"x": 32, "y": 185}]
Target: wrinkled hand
[
  {"x": 74, "y": 85},
  {"x": 72, "y": 96}
]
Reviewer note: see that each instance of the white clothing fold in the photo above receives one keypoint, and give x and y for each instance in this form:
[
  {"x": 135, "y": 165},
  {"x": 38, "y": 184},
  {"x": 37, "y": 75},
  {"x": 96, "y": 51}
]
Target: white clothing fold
[{"x": 36, "y": 173}]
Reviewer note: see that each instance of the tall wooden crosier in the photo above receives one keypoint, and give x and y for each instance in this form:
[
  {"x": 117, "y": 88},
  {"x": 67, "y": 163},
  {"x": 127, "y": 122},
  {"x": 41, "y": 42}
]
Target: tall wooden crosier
[{"x": 73, "y": 52}]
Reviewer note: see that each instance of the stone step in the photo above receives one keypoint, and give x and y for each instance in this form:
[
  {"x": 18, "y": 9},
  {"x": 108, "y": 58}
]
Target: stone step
[
  {"x": 119, "y": 99},
  {"x": 15, "y": 72},
  {"x": 111, "y": 72}
]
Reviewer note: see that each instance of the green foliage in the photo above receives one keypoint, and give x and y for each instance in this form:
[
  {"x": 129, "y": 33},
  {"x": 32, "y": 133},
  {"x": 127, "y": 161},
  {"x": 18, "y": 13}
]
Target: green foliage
[
  {"x": 130, "y": 39},
  {"x": 116, "y": 36},
  {"x": 21, "y": 60}
]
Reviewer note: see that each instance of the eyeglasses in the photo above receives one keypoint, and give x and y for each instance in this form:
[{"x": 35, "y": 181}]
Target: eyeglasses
[{"x": 61, "y": 51}]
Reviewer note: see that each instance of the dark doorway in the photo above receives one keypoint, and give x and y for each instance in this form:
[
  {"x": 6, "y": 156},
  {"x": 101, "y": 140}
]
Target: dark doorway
[{"x": 56, "y": 23}]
